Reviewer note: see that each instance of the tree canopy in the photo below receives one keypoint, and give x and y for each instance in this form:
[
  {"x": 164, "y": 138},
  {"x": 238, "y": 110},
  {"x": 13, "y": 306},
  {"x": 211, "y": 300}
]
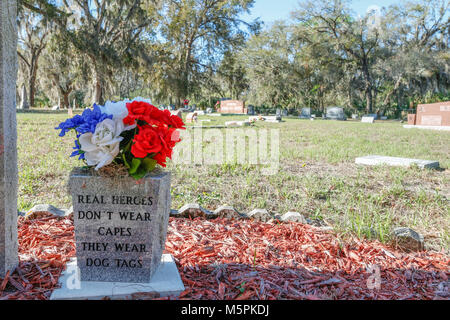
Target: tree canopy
[{"x": 202, "y": 50}]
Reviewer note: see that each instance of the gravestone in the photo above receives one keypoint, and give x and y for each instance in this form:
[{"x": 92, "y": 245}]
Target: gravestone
[
  {"x": 284, "y": 113},
  {"x": 306, "y": 113},
  {"x": 275, "y": 119},
  {"x": 251, "y": 110},
  {"x": 278, "y": 115},
  {"x": 232, "y": 106},
  {"x": 24, "y": 105},
  {"x": 375, "y": 160},
  {"x": 8, "y": 136},
  {"x": 120, "y": 233},
  {"x": 335, "y": 113},
  {"x": 191, "y": 117},
  {"x": 434, "y": 114},
  {"x": 119, "y": 225},
  {"x": 177, "y": 113},
  {"x": 367, "y": 119}
]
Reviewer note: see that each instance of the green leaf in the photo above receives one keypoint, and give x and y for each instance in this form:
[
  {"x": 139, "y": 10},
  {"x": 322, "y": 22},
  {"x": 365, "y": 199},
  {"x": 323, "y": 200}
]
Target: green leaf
[
  {"x": 139, "y": 174},
  {"x": 135, "y": 163},
  {"x": 149, "y": 164}
]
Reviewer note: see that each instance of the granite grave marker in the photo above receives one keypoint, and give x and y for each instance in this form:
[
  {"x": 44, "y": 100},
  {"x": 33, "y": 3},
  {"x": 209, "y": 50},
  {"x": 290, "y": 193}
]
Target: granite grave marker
[{"x": 120, "y": 225}]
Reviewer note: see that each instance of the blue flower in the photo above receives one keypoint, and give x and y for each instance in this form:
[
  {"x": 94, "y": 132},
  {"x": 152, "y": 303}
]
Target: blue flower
[
  {"x": 78, "y": 150},
  {"x": 69, "y": 124},
  {"x": 91, "y": 119},
  {"x": 83, "y": 123}
]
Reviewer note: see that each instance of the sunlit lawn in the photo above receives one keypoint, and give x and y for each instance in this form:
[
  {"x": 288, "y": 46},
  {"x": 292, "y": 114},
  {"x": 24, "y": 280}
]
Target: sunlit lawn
[{"x": 317, "y": 175}]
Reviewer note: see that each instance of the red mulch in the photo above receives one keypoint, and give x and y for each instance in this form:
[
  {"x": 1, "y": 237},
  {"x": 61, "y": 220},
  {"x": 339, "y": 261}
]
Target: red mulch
[{"x": 231, "y": 259}]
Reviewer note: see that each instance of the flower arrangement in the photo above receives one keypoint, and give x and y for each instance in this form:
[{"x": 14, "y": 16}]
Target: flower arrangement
[{"x": 132, "y": 133}]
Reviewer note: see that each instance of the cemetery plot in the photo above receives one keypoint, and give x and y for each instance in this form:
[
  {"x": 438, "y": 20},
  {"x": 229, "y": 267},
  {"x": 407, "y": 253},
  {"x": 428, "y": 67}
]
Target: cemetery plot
[{"x": 245, "y": 260}]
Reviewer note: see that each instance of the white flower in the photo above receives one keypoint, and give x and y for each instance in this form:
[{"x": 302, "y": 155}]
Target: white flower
[
  {"x": 119, "y": 109},
  {"x": 101, "y": 147}
]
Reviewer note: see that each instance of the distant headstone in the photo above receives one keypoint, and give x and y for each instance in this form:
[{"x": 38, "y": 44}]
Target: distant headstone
[
  {"x": 8, "y": 137},
  {"x": 251, "y": 110},
  {"x": 55, "y": 107},
  {"x": 278, "y": 115},
  {"x": 305, "y": 113},
  {"x": 367, "y": 119},
  {"x": 355, "y": 116},
  {"x": 374, "y": 115},
  {"x": 209, "y": 110},
  {"x": 24, "y": 105},
  {"x": 434, "y": 114},
  {"x": 177, "y": 113},
  {"x": 397, "y": 162},
  {"x": 278, "y": 112},
  {"x": 272, "y": 118},
  {"x": 284, "y": 113},
  {"x": 335, "y": 113},
  {"x": 232, "y": 106},
  {"x": 191, "y": 117},
  {"x": 237, "y": 123}
]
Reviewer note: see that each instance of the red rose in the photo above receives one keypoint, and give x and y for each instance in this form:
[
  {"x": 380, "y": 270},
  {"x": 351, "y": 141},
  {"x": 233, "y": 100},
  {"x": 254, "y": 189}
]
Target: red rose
[
  {"x": 143, "y": 111},
  {"x": 146, "y": 141},
  {"x": 175, "y": 121},
  {"x": 169, "y": 137},
  {"x": 139, "y": 110}
]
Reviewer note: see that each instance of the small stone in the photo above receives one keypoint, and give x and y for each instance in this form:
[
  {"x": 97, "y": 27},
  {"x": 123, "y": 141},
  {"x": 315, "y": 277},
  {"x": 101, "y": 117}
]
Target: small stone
[
  {"x": 277, "y": 217},
  {"x": 44, "y": 209},
  {"x": 228, "y": 212},
  {"x": 259, "y": 214},
  {"x": 194, "y": 210},
  {"x": 317, "y": 223},
  {"x": 408, "y": 239},
  {"x": 294, "y": 217}
]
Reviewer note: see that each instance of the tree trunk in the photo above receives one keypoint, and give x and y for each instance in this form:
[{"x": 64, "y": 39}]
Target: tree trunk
[
  {"x": 65, "y": 100},
  {"x": 99, "y": 82},
  {"x": 32, "y": 83},
  {"x": 369, "y": 100},
  {"x": 24, "y": 98}
]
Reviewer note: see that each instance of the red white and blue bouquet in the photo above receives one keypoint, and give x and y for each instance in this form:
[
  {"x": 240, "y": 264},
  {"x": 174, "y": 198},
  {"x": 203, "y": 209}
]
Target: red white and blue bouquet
[{"x": 132, "y": 133}]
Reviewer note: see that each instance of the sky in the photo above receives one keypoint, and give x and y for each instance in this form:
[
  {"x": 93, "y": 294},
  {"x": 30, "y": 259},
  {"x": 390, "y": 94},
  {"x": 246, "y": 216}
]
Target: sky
[{"x": 272, "y": 10}]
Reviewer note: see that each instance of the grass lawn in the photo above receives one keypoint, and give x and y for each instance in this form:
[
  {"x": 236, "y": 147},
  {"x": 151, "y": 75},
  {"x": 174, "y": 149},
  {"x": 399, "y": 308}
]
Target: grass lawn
[{"x": 317, "y": 176}]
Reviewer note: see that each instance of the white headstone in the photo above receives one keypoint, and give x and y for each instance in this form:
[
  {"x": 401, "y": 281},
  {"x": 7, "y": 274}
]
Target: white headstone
[
  {"x": 24, "y": 98},
  {"x": 8, "y": 136},
  {"x": 368, "y": 119},
  {"x": 374, "y": 160}
]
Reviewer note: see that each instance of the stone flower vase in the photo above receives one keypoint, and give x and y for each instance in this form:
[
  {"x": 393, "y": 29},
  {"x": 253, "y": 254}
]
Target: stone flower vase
[{"x": 120, "y": 224}]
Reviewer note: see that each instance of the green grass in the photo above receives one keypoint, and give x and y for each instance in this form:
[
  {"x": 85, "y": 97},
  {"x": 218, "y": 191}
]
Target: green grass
[{"x": 317, "y": 176}]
